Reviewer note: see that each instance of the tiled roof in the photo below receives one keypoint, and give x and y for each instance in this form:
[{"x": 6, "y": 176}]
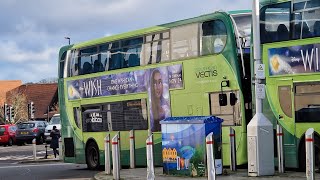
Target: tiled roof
[
  {"x": 42, "y": 96},
  {"x": 5, "y": 86}
]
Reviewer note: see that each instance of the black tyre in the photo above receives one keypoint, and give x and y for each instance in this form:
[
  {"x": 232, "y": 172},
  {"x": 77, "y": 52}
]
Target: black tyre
[
  {"x": 10, "y": 142},
  {"x": 92, "y": 156},
  {"x": 40, "y": 139},
  {"x": 19, "y": 143}
]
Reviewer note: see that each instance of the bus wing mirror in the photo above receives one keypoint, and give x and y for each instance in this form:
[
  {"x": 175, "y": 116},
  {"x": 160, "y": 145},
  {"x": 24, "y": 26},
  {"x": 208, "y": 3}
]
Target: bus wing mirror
[
  {"x": 233, "y": 99},
  {"x": 222, "y": 99}
]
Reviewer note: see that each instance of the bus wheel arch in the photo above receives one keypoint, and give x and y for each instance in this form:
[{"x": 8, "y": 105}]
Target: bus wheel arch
[
  {"x": 302, "y": 151},
  {"x": 92, "y": 154}
]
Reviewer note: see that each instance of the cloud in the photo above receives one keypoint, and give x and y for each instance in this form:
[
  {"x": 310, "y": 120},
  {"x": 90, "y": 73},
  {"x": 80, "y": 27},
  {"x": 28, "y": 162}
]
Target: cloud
[
  {"x": 12, "y": 53},
  {"x": 32, "y": 31}
]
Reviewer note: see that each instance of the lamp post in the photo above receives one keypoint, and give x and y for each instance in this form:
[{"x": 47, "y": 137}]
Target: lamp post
[{"x": 68, "y": 39}]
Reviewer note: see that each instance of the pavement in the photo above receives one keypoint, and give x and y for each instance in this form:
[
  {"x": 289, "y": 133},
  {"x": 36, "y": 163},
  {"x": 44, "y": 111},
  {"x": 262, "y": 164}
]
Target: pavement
[{"x": 141, "y": 173}]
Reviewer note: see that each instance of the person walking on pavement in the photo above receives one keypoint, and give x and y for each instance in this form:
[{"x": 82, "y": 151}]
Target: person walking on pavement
[{"x": 55, "y": 135}]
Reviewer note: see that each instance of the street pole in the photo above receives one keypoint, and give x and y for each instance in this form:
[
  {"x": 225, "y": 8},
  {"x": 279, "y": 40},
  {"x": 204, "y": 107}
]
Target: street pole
[
  {"x": 260, "y": 129},
  {"x": 68, "y": 39},
  {"x": 48, "y": 113}
]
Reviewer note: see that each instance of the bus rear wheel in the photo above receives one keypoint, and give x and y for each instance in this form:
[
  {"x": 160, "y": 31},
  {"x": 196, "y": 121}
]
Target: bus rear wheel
[{"x": 92, "y": 156}]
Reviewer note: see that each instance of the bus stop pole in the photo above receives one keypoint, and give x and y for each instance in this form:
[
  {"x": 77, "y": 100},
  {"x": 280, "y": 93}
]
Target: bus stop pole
[
  {"x": 280, "y": 149},
  {"x": 210, "y": 157},
  {"x": 107, "y": 154},
  {"x": 115, "y": 157},
  {"x": 132, "y": 148},
  {"x": 34, "y": 147},
  {"x": 150, "y": 165},
  {"x": 233, "y": 156},
  {"x": 310, "y": 154}
]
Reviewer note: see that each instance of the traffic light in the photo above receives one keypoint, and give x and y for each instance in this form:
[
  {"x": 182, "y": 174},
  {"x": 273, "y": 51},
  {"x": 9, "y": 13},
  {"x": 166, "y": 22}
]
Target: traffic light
[
  {"x": 11, "y": 113},
  {"x": 31, "y": 110},
  {"x": 6, "y": 112}
]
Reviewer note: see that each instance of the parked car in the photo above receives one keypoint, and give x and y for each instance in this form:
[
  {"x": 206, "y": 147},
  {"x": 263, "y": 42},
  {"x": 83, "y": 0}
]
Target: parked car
[
  {"x": 27, "y": 131},
  {"x": 54, "y": 121},
  {"x": 8, "y": 134}
]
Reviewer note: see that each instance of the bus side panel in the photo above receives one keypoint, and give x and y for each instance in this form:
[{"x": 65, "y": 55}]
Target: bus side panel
[
  {"x": 189, "y": 104},
  {"x": 241, "y": 145},
  {"x": 140, "y": 148}
]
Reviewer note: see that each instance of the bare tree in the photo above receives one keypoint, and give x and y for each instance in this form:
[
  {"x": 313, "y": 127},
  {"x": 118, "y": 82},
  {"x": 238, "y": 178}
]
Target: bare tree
[
  {"x": 55, "y": 107},
  {"x": 48, "y": 80},
  {"x": 18, "y": 100},
  {"x": 2, "y": 96},
  {"x": 2, "y": 121}
]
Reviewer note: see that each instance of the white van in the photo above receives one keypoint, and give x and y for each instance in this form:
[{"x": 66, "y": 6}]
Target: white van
[{"x": 54, "y": 121}]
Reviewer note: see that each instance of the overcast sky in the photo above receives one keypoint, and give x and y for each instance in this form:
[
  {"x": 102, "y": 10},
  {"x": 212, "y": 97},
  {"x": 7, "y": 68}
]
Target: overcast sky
[{"x": 32, "y": 31}]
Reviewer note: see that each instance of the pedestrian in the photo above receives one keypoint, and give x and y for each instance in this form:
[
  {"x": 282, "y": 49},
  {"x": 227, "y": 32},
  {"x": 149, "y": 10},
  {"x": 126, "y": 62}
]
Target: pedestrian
[{"x": 55, "y": 135}]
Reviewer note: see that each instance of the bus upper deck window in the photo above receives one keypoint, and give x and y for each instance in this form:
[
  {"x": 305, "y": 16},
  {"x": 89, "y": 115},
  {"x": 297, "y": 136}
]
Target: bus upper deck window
[{"x": 214, "y": 37}]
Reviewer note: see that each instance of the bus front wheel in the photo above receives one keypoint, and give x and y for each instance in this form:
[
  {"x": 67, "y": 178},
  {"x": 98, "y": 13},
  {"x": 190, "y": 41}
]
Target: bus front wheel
[{"x": 92, "y": 156}]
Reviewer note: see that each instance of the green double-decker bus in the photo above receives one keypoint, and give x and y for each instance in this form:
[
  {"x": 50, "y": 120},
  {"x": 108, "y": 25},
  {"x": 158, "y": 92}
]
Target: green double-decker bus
[
  {"x": 290, "y": 36},
  {"x": 130, "y": 81}
]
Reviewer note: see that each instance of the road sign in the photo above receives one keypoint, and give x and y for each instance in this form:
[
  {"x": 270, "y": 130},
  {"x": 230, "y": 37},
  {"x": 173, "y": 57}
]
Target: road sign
[
  {"x": 260, "y": 91},
  {"x": 260, "y": 73}
]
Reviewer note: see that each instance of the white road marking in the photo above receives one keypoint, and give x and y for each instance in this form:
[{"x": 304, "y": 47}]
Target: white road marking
[{"x": 34, "y": 165}]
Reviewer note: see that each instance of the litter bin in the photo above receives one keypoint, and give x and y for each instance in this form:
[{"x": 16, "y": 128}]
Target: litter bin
[{"x": 184, "y": 147}]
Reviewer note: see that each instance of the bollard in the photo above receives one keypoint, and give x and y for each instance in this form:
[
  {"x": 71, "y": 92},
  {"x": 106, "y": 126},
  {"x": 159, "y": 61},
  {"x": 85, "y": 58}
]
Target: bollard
[
  {"x": 150, "y": 165},
  {"x": 34, "y": 146},
  {"x": 107, "y": 154},
  {"x": 119, "y": 150},
  {"x": 132, "y": 148},
  {"x": 60, "y": 149},
  {"x": 210, "y": 157},
  {"x": 233, "y": 155},
  {"x": 46, "y": 146},
  {"x": 280, "y": 149},
  {"x": 310, "y": 154},
  {"x": 115, "y": 157}
]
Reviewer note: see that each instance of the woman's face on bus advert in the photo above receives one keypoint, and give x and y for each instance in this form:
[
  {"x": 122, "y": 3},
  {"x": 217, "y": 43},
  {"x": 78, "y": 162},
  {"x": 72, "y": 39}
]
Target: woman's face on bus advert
[{"x": 157, "y": 79}]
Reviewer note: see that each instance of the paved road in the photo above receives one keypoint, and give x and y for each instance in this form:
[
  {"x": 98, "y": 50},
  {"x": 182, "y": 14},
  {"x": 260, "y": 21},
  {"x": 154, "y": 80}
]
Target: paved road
[
  {"x": 11, "y": 167},
  {"x": 44, "y": 171},
  {"x": 14, "y": 154}
]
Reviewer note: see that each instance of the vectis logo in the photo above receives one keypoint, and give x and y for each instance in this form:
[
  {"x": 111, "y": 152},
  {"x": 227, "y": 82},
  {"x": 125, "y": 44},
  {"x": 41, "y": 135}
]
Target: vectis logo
[{"x": 206, "y": 72}]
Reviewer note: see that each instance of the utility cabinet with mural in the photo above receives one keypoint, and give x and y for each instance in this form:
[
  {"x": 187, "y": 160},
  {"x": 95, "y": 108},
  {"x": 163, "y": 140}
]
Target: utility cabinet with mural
[{"x": 184, "y": 146}]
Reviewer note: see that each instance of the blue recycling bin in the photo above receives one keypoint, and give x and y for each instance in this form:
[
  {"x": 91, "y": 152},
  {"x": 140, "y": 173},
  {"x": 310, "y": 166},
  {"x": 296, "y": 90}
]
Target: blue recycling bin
[{"x": 184, "y": 147}]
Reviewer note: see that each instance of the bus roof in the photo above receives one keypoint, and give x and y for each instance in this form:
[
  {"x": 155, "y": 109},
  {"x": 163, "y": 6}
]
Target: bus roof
[{"x": 153, "y": 29}]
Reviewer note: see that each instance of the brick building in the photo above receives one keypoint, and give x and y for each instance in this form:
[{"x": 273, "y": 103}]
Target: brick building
[
  {"x": 44, "y": 97},
  {"x": 5, "y": 86}
]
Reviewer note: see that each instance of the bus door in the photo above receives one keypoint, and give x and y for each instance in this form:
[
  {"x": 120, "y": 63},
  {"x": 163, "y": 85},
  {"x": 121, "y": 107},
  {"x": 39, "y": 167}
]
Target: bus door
[
  {"x": 73, "y": 135},
  {"x": 226, "y": 105},
  {"x": 227, "y": 109},
  {"x": 285, "y": 118},
  {"x": 307, "y": 106},
  {"x": 307, "y": 115}
]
